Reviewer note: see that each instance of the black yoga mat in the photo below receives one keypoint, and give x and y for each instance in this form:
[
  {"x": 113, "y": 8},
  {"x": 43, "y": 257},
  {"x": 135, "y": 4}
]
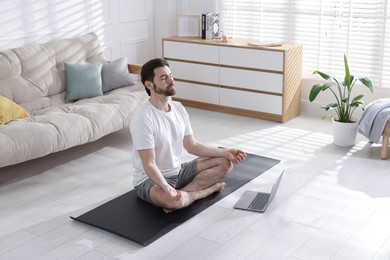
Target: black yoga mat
[{"x": 130, "y": 217}]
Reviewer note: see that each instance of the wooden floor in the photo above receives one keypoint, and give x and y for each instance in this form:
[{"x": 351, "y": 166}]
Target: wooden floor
[{"x": 333, "y": 202}]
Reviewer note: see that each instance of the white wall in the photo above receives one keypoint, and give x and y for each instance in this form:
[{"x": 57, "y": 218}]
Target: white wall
[
  {"x": 124, "y": 27},
  {"x": 166, "y": 13},
  {"x": 128, "y": 29},
  {"x": 164, "y": 22}
]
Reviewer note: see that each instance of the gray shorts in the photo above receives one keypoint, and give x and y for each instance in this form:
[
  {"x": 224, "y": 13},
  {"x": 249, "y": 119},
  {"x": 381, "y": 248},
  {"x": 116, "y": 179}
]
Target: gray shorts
[{"x": 186, "y": 174}]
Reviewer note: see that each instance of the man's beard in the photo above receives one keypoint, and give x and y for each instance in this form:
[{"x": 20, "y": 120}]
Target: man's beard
[{"x": 169, "y": 91}]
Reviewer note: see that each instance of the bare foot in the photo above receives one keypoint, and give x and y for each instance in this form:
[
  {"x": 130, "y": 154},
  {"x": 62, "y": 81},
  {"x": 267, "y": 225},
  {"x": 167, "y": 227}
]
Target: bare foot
[
  {"x": 220, "y": 186},
  {"x": 167, "y": 211},
  {"x": 200, "y": 194}
]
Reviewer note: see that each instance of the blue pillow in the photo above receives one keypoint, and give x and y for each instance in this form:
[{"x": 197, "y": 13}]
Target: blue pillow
[
  {"x": 116, "y": 75},
  {"x": 83, "y": 81}
]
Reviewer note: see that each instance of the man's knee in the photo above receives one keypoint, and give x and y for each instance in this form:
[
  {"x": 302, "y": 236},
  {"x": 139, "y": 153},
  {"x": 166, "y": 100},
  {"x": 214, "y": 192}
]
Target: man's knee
[
  {"x": 226, "y": 165},
  {"x": 159, "y": 199},
  {"x": 177, "y": 204}
]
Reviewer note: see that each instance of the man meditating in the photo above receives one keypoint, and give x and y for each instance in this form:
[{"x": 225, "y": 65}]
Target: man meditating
[{"x": 161, "y": 130}]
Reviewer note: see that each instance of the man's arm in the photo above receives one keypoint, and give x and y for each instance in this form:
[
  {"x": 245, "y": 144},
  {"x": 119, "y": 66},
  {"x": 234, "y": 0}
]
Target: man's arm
[
  {"x": 203, "y": 150},
  {"x": 148, "y": 161}
]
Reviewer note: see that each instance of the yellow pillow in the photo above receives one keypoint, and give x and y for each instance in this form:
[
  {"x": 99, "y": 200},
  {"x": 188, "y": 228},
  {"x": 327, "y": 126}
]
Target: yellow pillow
[{"x": 9, "y": 111}]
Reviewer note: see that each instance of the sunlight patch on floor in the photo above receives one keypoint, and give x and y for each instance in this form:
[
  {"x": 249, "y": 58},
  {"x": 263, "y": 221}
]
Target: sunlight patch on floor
[{"x": 280, "y": 142}]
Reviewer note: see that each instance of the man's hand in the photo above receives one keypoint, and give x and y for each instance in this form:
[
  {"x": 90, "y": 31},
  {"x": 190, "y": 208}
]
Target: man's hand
[
  {"x": 172, "y": 192},
  {"x": 235, "y": 155}
]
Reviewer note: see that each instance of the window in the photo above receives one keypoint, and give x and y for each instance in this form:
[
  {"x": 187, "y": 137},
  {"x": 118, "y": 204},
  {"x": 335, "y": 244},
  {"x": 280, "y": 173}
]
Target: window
[{"x": 326, "y": 28}]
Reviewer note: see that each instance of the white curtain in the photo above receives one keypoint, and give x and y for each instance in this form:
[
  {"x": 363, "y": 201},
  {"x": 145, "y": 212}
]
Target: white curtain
[{"x": 327, "y": 29}]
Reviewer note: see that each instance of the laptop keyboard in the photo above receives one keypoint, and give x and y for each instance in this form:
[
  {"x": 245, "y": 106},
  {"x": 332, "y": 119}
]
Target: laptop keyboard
[{"x": 259, "y": 201}]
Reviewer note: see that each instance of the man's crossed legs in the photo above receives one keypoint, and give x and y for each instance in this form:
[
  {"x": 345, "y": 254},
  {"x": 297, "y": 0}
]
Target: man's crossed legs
[{"x": 198, "y": 180}]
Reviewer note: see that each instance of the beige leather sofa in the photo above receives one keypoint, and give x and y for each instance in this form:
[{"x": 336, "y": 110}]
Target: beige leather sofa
[{"x": 33, "y": 76}]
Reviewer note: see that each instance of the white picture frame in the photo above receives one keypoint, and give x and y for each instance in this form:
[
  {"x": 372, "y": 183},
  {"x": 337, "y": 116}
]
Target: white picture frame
[{"x": 188, "y": 25}]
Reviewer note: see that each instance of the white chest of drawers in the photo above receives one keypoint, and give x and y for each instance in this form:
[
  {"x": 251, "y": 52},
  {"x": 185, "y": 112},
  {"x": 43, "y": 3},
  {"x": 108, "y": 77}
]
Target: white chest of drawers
[{"x": 262, "y": 82}]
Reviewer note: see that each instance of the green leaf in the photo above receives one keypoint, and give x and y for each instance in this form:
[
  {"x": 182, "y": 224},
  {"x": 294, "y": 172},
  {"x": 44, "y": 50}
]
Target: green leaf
[
  {"x": 356, "y": 103},
  {"x": 316, "y": 89},
  {"x": 345, "y": 82},
  {"x": 367, "y": 82},
  {"x": 347, "y": 79},
  {"x": 330, "y": 106},
  {"x": 323, "y": 75},
  {"x": 357, "y": 98},
  {"x": 326, "y": 116}
]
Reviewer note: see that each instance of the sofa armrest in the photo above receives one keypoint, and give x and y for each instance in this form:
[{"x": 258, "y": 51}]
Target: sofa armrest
[{"x": 134, "y": 68}]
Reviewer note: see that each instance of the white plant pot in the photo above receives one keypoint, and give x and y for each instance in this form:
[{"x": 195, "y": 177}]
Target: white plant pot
[{"x": 344, "y": 134}]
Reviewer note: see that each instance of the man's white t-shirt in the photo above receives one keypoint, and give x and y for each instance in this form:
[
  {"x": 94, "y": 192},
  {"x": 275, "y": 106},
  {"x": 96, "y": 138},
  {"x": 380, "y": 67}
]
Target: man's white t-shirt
[{"x": 164, "y": 131}]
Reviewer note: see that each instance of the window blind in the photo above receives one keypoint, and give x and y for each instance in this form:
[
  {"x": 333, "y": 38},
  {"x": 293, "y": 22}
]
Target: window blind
[{"x": 327, "y": 29}]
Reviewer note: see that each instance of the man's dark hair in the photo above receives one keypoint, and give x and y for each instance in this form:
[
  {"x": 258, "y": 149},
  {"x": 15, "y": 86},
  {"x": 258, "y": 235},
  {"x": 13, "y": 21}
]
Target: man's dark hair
[{"x": 147, "y": 71}]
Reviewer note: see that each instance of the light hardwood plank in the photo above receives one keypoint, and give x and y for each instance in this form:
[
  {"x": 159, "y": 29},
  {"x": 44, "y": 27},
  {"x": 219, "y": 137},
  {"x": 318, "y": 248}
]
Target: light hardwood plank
[
  {"x": 15, "y": 240},
  {"x": 190, "y": 250},
  {"x": 46, "y": 243},
  {"x": 369, "y": 238},
  {"x": 78, "y": 246},
  {"x": 329, "y": 239},
  {"x": 285, "y": 243},
  {"x": 93, "y": 255}
]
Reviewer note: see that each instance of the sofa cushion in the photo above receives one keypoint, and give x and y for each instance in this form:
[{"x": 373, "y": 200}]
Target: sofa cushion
[
  {"x": 9, "y": 111},
  {"x": 116, "y": 75},
  {"x": 83, "y": 81}
]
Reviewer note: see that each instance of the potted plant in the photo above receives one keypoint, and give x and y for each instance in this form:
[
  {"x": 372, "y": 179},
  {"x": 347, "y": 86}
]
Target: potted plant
[{"x": 344, "y": 106}]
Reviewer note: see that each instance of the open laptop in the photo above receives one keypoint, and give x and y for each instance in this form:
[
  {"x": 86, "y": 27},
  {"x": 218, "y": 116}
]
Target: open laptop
[{"x": 257, "y": 201}]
